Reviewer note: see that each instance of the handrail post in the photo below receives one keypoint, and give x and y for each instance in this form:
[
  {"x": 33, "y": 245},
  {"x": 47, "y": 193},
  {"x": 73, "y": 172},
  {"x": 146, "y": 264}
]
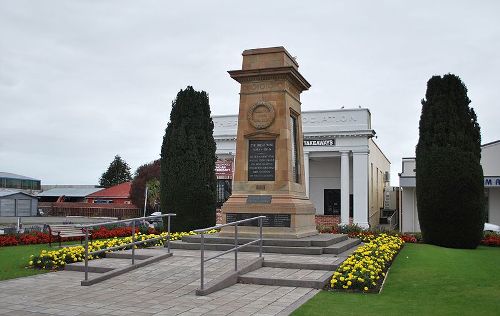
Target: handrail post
[
  {"x": 133, "y": 240},
  {"x": 86, "y": 254},
  {"x": 202, "y": 248},
  {"x": 168, "y": 237},
  {"x": 260, "y": 237},
  {"x": 236, "y": 247}
]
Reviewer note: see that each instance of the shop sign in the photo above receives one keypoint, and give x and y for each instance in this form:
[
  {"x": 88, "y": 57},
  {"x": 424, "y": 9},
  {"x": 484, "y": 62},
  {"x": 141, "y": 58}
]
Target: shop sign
[
  {"x": 492, "y": 181},
  {"x": 319, "y": 142},
  {"x": 224, "y": 168}
]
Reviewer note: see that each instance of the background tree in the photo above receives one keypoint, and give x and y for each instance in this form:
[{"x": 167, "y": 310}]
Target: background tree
[
  {"x": 144, "y": 174},
  {"x": 188, "y": 182},
  {"x": 154, "y": 194},
  {"x": 118, "y": 172},
  {"x": 450, "y": 188}
]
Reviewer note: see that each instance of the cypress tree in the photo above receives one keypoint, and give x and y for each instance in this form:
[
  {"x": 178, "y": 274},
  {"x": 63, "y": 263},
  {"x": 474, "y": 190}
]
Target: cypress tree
[
  {"x": 450, "y": 188},
  {"x": 188, "y": 182}
]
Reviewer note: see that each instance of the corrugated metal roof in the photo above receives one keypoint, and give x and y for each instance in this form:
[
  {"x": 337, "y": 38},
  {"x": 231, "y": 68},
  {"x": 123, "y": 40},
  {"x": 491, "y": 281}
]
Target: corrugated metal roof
[
  {"x": 4, "y": 192},
  {"x": 70, "y": 192},
  {"x": 15, "y": 176}
]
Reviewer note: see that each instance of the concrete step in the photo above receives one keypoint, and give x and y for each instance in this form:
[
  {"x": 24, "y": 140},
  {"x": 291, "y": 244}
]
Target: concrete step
[
  {"x": 320, "y": 240},
  {"x": 102, "y": 265},
  {"x": 307, "y": 278},
  {"x": 341, "y": 246},
  {"x": 251, "y": 248},
  {"x": 300, "y": 265}
]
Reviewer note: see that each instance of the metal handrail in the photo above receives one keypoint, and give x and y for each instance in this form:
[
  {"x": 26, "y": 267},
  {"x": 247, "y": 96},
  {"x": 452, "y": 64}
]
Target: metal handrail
[
  {"x": 133, "y": 243},
  {"x": 235, "y": 249}
]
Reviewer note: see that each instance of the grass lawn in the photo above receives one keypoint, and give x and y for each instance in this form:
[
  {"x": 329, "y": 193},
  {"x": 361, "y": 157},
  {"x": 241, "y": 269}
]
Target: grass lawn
[
  {"x": 424, "y": 280},
  {"x": 13, "y": 260}
]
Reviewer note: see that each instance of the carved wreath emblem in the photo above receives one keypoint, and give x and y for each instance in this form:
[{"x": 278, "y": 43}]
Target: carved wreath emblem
[{"x": 261, "y": 115}]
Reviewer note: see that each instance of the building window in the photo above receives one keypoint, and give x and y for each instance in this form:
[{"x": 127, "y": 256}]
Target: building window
[
  {"x": 101, "y": 201},
  {"x": 295, "y": 155}
]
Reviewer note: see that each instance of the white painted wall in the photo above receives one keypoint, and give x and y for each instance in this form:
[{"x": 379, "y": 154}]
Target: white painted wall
[
  {"x": 490, "y": 159},
  {"x": 324, "y": 173},
  {"x": 494, "y": 206},
  {"x": 409, "y": 214},
  {"x": 409, "y": 165},
  {"x": 378, "y": 165}
]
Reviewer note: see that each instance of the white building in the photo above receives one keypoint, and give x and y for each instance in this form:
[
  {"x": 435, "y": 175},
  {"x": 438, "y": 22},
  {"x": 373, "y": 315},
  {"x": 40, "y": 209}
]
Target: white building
[
  {"x": 490, "y": 157},
  {"x": 345, "y": 170}
]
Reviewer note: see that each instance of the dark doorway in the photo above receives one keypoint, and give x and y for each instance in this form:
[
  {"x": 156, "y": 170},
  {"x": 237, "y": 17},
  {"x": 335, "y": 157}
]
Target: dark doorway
[
  {"x": 351, "y": 207},
  {"x": 332, "y": 202},
  {"x": 224, "y": 190}
]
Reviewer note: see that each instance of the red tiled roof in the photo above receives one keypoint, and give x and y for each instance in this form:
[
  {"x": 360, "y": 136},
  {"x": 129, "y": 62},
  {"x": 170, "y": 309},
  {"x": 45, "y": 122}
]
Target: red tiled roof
[{"x": 121, "y": 190}]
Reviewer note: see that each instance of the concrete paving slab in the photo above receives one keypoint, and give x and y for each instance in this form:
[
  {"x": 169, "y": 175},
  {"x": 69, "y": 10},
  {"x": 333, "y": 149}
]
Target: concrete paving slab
[{"x": 166, "y": 287}]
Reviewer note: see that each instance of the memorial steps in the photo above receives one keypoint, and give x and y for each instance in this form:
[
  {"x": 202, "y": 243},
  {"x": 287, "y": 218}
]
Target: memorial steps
[
  {"x": 305, "y": 262},
  {"x": 313, "y": 245}
]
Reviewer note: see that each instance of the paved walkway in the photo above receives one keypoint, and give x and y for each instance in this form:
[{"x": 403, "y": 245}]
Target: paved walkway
[{"x": 163, "y": 288}]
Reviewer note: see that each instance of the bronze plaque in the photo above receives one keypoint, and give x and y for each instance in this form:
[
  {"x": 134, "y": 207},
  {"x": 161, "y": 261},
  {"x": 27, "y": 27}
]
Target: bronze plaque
[{"x": 261, "y": 156}]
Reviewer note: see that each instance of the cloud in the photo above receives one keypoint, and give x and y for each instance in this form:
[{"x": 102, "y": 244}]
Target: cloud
[{"x": 81, "y": 81}]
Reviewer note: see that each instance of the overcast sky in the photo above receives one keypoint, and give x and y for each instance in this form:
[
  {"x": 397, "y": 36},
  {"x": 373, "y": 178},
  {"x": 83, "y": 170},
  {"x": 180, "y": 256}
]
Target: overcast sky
[{"x": 82, "y": 81}]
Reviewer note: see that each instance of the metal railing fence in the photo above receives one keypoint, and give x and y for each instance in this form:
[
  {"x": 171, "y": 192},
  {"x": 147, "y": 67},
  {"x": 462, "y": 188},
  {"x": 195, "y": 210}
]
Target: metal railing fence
[
  {"x": 132, "y": 244},
  {"x": 235, "y": 249}
]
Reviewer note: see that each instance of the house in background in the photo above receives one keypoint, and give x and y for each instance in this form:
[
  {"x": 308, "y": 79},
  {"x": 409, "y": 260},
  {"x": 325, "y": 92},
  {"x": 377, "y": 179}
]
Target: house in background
[
  {"x": 490, "y": 157},
  {"x": 118, "y": 194},
  {"x": 88, "y": 201}
]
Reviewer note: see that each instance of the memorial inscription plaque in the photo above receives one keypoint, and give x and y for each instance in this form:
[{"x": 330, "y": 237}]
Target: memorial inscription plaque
[
  {"x": 259, "y": 199},
  {"x": 261, "y": 154},
  {"x": 271, "y": 220}
]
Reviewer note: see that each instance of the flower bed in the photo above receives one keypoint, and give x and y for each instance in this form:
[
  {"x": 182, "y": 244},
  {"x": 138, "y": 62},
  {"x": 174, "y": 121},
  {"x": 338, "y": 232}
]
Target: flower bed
[
  {"x": 365, "y": 269},
  {"x": 57, "y": 259},
  {"x": 43, "y": 238},
  {"x": 491, "y": 239}
]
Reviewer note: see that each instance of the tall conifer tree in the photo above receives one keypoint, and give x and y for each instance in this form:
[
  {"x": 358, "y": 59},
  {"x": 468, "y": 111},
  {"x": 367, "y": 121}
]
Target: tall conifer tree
[
  {"x": 188, "y": 182},
  {"x": 450, "y": 188},
  {"x": 117, "y": 172}
]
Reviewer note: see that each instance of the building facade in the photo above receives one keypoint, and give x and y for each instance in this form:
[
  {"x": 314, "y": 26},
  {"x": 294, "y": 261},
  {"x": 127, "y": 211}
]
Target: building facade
[
  {"x": 345, "y": 170},
  {"x": 490, "y": 157}
]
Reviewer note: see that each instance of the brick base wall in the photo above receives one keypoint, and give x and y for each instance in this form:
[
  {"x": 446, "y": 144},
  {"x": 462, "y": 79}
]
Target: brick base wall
[{"x": 327, "y": 220}]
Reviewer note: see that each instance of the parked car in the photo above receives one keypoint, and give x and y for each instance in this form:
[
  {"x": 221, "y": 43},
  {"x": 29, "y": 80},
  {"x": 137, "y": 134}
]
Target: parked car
[
  {"x": 491, "y": 228},
  {"x": 157, "y": 219}
]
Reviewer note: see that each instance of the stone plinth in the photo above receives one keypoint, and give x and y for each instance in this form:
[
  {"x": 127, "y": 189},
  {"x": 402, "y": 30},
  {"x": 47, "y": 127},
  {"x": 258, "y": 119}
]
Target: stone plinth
[{"x": 269, "y": 167}]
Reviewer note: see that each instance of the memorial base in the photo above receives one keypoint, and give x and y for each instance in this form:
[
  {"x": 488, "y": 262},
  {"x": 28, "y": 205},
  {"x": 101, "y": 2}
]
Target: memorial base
[{"x": 287, "y": 217}]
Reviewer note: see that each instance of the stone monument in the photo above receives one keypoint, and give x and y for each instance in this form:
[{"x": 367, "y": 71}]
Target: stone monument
[{"x": 269, "y": 167}]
